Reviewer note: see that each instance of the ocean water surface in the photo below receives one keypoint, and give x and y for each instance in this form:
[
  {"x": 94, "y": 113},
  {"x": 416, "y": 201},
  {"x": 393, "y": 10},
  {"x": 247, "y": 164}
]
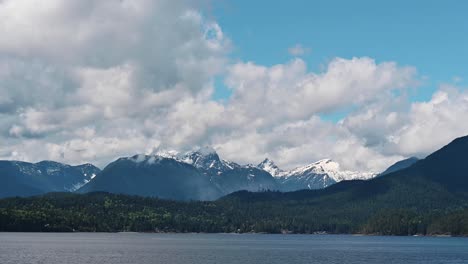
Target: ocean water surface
[{"x": 134, "y": 248}]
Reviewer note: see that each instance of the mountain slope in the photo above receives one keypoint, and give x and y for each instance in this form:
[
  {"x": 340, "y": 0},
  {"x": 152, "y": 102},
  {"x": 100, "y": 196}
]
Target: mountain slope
[
  {"x": 447, "y": 166},
  {"x": 402, "y": 164},
  {"x": 153, "y": 176},
  {"x": 246, "y": 178},
  {"x": 23, "y": 178}
]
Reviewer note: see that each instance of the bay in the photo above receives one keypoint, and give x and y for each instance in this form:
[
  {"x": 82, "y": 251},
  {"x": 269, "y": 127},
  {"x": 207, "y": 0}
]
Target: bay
[{"x": 136, "y": 248}]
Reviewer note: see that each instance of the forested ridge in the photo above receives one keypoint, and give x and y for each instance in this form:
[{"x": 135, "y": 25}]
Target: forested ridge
[{"x": 242, "y": 212}]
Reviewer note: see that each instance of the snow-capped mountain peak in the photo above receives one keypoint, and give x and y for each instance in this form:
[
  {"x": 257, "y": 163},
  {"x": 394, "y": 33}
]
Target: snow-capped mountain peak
[
  {"x": 324, "y": 166},
  {"x": 205, "y": 157},
  {"x": 316, "y": 175},
  {"x": 328, "y": 164},
  {"x": 332, "y": 169},
  {"x": 169, "y": 154},
  {"x": 269, "y": 166}
]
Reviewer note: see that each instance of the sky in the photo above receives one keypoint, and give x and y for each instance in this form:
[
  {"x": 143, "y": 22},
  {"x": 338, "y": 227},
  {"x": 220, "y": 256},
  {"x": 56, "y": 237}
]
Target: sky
[{"x": 364, "y": 83}]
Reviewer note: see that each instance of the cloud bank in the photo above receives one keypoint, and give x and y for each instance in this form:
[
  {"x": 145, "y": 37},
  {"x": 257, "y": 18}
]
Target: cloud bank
[{"x": 90, "y": 81}]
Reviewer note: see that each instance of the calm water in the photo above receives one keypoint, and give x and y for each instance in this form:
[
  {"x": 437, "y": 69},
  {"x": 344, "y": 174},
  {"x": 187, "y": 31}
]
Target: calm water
[{"x": 17, "y": 248}]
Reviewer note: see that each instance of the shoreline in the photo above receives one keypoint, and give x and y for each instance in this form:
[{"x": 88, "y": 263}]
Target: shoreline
[{"x": 246, "y": 233}]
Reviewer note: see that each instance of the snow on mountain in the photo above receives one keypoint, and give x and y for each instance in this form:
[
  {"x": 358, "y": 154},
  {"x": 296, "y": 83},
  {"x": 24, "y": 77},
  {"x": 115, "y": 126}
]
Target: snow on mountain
[
  {"x": 169, "y": 154},
  {"x": 24, "y": 178},
  {"x": 205, "y": 159},
  {"x": 89, "y": 171},
  {"x": 332, "y": 169},
  {"x": 177, "y": 170},
  {"x": 316, "y": 175},
  {"x": 229, "y": 176},
  {"x": 270, "y": 167}
]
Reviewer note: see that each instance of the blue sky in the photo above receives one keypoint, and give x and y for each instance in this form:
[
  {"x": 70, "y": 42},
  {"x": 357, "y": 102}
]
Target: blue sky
[{"x": 429, "y": 35}]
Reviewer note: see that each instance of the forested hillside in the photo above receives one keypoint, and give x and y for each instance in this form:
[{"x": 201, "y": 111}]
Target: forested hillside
[{"x": 269, "y": 212}]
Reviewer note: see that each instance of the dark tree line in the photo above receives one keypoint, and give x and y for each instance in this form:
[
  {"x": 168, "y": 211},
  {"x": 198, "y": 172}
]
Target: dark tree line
[{"x": 269, "y": 212}]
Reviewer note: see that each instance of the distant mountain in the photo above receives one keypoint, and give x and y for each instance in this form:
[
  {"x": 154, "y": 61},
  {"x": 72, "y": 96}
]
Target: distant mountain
[
  {"x": 428, "y": 198},
  {"x": 154, "y": 176},
  {"x": 317, "y": 175},
  {"x": 173, "y": 175},
  {"x": 207, "y": 160},
  {"x": 229, "y": 176},
  {"x": 202, "y": 175},
  {"x": 447, "y": 167},
  {"x": 247, "y": 178},
  {"x": 89, "y": 171},
  {"x": 269, "y": 166},
  {"x": 195, "y": 175},
  {"x": 437, "y": 182},
  {"x": 402, "y": 164},
  {"x": 24, "y": 179}
]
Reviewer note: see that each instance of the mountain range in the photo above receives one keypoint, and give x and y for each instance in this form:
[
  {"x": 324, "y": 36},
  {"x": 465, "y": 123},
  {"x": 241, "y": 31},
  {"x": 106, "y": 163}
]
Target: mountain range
[
  {"x": 194, "y": 175},
  {"x": 438, "y": 181},
  {"x": 25, "y": 179},
  {"x": 317, "y": 175},
  {"x": 428, "y": 197},
  {"x": 203, "y": 175}
]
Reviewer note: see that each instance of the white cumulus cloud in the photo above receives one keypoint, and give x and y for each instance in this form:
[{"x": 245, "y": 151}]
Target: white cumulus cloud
[{"x": 89, "y": 81}]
